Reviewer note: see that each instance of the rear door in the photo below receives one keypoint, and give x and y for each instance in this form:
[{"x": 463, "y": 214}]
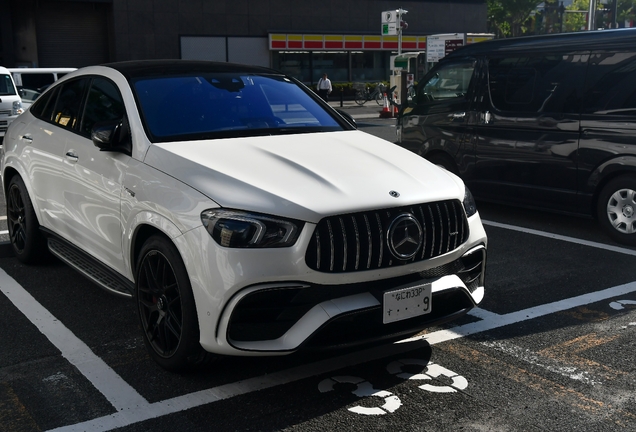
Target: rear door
[{"x": 527, "y": 134}]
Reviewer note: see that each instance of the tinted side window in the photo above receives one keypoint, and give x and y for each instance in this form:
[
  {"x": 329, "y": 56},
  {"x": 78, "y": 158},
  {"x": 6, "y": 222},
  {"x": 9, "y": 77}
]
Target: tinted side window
[
  {"x": 104, "y": 103},
  {"x": 611, "y": 84},
  {"x": 448, "y": 82},
  {"x": 69, "y": 101},
  {"x": 537, "y": 84},
  {"x": 42, "y": 108}
]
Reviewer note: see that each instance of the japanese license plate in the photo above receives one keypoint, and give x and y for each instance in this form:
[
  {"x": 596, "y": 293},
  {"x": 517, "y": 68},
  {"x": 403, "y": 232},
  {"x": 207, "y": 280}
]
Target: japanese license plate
[{"x": 406, "y": 303}]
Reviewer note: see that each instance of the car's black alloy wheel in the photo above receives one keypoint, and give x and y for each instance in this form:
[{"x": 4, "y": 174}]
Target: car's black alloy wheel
[
  {"x": 24, "y": 230},
  {"x": 166, "y": 306}
]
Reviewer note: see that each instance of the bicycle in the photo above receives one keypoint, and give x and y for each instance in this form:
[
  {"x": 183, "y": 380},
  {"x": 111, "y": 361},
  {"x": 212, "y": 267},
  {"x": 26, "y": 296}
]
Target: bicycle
[{"x": 362, "y": 96}]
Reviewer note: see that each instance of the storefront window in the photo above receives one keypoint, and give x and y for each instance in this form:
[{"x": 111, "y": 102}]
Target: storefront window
[
  {"x": 294, "y": 64},
  {"x": 369, "y": 66},
  {"x": 334, "y": 64}
]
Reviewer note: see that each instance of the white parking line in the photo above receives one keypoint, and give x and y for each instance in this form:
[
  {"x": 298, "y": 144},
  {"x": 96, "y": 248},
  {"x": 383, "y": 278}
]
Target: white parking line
[
  {"x": 562, "y": 238},
  {"x": 132, "y": 408},
  {"x": 118, "y": 392}
]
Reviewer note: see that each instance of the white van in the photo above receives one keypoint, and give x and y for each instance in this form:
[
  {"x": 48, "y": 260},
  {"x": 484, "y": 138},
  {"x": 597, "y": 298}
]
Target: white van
[
  {"x": 31, "y": 82},
  {"x": 10, "y": 102}
]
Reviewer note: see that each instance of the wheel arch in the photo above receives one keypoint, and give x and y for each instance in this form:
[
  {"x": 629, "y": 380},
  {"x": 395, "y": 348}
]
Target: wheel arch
[
  {"x": 605, "y": 173},
  {"x": 148, "y": 225},
  {"x": 8, "y": 174},
  {"x": 434, "y": 155}
]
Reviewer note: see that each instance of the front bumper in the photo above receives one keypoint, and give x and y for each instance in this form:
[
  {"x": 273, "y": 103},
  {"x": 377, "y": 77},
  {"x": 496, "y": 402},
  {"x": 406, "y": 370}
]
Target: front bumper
[
  {"x": 282, "y": 318},
  {"x": 268, "y": 302}
]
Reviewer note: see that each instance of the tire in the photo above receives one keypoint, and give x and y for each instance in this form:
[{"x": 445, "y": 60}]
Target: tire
[
  {"x": 29, "y": 245},
  {"x": 166, "y": 307},
  {"x": 616, "y": 209},
  {"x": 379, "y": 98},
  {"x": 360, "y": 98},
  {"x": 444, "y": 161}
]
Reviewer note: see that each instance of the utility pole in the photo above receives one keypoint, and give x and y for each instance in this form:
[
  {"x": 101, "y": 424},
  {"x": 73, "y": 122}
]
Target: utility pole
[{"x": 591, "y": 16}]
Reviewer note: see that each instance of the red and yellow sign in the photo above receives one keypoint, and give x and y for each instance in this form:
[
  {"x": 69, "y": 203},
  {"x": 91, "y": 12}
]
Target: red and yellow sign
[{"x": 318, "y": 42}]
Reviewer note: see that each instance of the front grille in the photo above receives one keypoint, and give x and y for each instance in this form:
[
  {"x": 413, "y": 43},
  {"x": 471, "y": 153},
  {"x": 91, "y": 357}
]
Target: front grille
[
  {"x": 358, "y": 241},
  {"x": 5, "y": 112}
]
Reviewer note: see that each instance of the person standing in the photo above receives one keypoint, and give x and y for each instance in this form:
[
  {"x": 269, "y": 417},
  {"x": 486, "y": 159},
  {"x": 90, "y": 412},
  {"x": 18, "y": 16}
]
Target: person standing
[{"x": 324, "y": 87}]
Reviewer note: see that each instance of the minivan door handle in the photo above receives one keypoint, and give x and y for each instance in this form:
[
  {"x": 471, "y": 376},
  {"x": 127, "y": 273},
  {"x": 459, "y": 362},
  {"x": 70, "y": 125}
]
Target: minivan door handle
[
  {"x": 27, "y": 138},
  {"x": 486, "y": 117}
]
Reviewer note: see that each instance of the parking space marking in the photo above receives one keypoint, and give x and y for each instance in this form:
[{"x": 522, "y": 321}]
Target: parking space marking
[
  {"x": 596, "y": 245},
  {"x": 118, "y": 392},
  {"x": 181, "y": 403}
]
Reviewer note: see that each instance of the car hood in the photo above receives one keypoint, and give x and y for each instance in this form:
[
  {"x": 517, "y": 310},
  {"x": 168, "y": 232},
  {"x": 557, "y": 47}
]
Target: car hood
[{"x": 305, "y": 176}]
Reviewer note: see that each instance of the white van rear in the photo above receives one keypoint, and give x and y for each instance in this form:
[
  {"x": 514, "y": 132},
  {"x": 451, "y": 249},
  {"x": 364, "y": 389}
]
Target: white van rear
[{"x": 10, "y": 102}]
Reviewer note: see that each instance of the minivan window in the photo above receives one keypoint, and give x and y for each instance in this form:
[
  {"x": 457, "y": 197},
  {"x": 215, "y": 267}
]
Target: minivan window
[
  {"x": 611, "y": 84},
  {"x": 450, "y": 81},
  {"x": 6, "y": 86},
  {"x": 536, "y": 84}
]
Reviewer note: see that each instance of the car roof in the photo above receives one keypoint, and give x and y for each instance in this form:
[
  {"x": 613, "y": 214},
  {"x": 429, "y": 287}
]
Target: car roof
[
  {"x": 147, "y": 68},
  {"x": 588, "y": 40}
]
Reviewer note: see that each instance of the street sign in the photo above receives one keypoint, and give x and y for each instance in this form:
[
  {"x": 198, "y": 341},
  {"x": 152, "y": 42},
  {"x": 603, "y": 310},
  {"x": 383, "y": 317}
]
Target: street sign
[
  {"x": 389, "y": 23},
  {"x": 438, "y": 46}
]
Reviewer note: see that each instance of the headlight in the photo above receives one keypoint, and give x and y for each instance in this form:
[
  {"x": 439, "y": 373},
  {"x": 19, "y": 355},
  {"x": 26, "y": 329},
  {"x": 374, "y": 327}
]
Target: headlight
[
  {"x": 236, "y": 229},
  {"x": 469, "y": 204},
  {"x": 17, "y": 108}
]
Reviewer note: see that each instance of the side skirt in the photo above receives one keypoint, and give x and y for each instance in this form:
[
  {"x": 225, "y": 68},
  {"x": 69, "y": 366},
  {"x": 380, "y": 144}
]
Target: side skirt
[{"x": 88, "y": 266}]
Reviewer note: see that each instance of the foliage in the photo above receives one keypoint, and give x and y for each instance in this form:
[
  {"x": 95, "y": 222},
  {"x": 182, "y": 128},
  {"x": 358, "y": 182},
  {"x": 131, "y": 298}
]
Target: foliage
[
  {"x": 509, "y": 17},
  {"x": 522, "y": 17}
]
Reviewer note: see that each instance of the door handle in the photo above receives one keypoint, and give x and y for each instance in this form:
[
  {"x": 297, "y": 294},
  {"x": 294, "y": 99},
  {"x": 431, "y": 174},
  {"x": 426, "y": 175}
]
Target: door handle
[
  {"x": 72, "y": 156},
  {"x": 486, "y": 117},
  {"x": 27, "y": 138}
]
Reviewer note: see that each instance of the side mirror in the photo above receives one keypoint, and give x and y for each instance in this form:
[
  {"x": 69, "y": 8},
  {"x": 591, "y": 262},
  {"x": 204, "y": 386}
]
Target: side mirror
[
  {"x": 112, "y": 135},
  {"x": 348, "y": 118}
]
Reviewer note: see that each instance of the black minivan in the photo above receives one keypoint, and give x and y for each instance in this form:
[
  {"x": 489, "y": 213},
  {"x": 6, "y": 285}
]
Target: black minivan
[{"x": 545, "y": 122}]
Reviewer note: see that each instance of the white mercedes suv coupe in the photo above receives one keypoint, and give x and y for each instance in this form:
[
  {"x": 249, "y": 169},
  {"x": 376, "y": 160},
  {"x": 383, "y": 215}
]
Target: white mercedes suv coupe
[{"x": 242, "y": 214}]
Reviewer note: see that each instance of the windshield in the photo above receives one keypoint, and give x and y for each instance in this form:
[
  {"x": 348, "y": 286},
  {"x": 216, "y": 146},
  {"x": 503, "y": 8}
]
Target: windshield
[
  {"x": 6, "y": 86},
  {"x": 227, "y": 105}
]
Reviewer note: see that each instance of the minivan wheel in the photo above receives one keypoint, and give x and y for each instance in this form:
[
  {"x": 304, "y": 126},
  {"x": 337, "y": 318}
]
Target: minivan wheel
[
  {"x": 616, "y": 209},
  {"x": 166, "y": 307},
  {"x": 28, "y": 243}
]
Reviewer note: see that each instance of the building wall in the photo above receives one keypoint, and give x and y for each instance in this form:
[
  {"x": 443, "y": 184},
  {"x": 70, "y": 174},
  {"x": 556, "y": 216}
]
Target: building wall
[
  {"x": 146, "y": 29},
  {"x": 149, "y": 29}
]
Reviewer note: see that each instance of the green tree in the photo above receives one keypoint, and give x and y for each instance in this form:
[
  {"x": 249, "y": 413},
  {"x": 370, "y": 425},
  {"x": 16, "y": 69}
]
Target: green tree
[
  {"x": 511, "y": 17},
  {"x": 576, "y": 21}
]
